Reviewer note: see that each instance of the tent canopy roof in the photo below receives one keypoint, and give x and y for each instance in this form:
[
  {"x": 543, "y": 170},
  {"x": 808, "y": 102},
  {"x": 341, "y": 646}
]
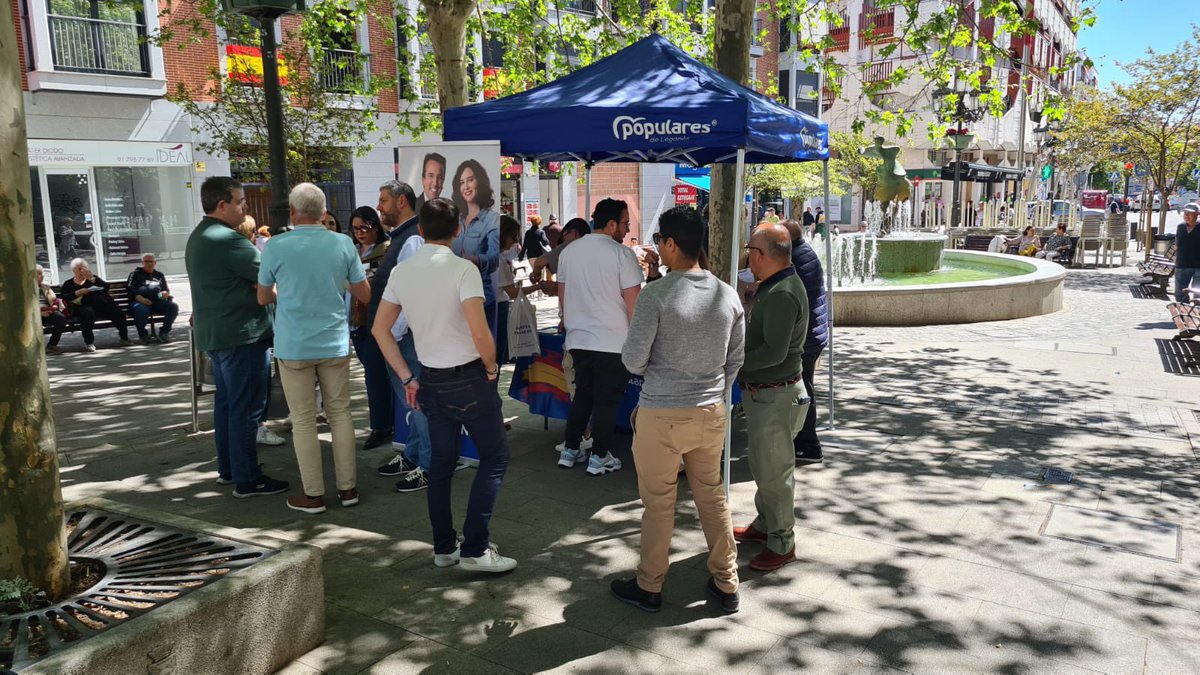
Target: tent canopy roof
[{"x": 650, "y": 102}]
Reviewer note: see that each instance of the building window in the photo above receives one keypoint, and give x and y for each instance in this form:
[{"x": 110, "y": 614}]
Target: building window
[
  {"x": 587, "y": 7},
  {"x": 426, "y": 64},
  {"x": 98, "y": 36},
  {"x": 343, "y": 69}
]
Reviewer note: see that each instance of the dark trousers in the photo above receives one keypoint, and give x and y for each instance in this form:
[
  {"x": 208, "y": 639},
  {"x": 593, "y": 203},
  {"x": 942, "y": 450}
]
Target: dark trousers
[
  {"x": 141, "y": 315},
  {"x": 57, "y": 322},
  {"x": 241, "y": 378},
  {"x": 452, "y": 400},
  {"x": 380, "y": 401},
  {"x": 502, "y": 331},
  {"x": 806, "y": 441},
  {"x": 600, "y": 382},
  {"x": 100, "y": 307}
]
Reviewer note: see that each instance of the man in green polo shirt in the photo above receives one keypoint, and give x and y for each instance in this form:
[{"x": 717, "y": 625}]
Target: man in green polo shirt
[
  {"x": 234, "y": 330},
  {"x": 773, "y": 394}
]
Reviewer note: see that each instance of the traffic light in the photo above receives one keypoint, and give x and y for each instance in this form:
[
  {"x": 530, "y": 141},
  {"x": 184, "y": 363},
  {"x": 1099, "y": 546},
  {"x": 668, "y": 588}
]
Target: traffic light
[
  {"x": 1047, "y": 171},
  {"x": 1129, "y": 166}
]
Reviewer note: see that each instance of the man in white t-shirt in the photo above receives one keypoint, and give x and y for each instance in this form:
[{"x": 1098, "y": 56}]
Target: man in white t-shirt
[
  {"x": 441, "y": 295},
  {"x": 598, "y": 284}
]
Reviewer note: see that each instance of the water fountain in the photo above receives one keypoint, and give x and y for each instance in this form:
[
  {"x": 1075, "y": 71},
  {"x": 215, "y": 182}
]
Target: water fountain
[{"x": 894, "y": 275}]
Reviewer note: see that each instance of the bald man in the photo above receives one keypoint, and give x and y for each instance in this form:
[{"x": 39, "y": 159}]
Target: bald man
[{"x": 773, "y": 394}]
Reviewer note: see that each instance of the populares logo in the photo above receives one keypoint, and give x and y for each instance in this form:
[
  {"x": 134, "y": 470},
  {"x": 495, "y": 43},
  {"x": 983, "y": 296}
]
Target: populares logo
[{"x": 625, "y": 127}]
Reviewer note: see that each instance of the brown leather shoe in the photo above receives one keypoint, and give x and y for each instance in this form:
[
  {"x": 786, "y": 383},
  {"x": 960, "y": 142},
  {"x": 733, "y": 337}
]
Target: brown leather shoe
[
  {"x": 748, "y": 533},
  {"x": 306, "y": 504},
  {"x": 769, "y": 561},
  {"x": 348, "y": 497}
]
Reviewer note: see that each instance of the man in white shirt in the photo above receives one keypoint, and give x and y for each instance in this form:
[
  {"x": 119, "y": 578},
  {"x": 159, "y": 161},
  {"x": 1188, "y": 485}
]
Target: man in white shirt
[
  {"x": 598, "y": 284},
  {"x": 442, "y": 298}
]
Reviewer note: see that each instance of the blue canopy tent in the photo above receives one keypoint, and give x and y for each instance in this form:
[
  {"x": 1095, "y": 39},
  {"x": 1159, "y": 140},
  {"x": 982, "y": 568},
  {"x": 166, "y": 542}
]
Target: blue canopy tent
[{"x": 650, "y": 102}]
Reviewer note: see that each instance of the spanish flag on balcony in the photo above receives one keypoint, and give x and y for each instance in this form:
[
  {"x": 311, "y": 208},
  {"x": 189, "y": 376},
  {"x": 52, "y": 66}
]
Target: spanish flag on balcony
[{"x": 244, "y": 64}]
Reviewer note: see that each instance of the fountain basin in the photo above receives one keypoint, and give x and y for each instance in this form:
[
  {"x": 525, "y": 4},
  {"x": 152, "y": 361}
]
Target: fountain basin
[
  {"x": 898, "y": 253},
  {"x": 1026, "y": 287}
]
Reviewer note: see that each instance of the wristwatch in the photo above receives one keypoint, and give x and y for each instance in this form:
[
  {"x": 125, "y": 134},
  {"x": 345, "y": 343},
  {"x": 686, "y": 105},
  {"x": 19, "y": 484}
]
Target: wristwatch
[
  {"x": 404, "y": 383},
  {"x": 493, "y": 372}
]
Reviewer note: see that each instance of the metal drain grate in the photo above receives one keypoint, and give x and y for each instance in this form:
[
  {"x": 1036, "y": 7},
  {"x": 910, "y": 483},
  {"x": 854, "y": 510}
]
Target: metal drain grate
[{"x": 142, "y": 566}]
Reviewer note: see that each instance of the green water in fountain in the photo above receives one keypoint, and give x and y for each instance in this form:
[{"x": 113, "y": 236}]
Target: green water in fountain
[{"x": 955, "y": 270}]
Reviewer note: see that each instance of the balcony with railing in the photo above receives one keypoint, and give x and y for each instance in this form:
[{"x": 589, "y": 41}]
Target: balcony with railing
[
  {"x": 89, "y": 45},
  {"x": 840, "y": 34},
  {"x": 875, "y": 25},
  {"x": 344, "y": 71},
  {"x": 877, "y": 72},
  {"x": 587, "y": 7}
]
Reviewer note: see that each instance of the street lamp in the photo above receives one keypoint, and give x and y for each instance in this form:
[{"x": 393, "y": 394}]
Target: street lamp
[
  {"x": 959, "y": 106},
  {"x": 266, "y": 12}
]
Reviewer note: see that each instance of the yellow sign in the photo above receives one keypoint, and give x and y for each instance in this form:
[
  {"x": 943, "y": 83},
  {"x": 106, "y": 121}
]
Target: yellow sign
[{"x": 201, "y": 167}]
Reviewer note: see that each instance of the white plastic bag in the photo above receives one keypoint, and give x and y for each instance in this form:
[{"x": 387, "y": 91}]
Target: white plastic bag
[{"x": 522, "y": 327}]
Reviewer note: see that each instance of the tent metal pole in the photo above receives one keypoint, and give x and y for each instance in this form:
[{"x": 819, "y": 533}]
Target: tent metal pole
[
  {"x": 739, "y": 191},
  {"x": 587, "y": 190},
  {"x": 828, "y": 284}
]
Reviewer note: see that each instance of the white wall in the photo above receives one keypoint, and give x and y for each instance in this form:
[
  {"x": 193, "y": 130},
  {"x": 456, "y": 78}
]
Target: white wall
[{"x": 656, "y": 195}]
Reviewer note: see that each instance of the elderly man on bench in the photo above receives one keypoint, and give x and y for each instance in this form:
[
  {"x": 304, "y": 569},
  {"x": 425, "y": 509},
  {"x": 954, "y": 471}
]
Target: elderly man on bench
[{"x": 149, "y": 294}]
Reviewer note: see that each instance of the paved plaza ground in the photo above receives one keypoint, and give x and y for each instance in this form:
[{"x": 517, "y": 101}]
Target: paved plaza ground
[{"x": 926, "y": 541}]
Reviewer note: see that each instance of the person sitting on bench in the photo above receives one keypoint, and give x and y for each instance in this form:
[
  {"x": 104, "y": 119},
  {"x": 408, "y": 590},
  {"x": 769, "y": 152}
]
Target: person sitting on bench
[
  {"x": 51, "y": 308},
  {"x": 89, "y": 299},
  {"x": 1058, "y": 246},
  {"x": 148, "y": 293}
]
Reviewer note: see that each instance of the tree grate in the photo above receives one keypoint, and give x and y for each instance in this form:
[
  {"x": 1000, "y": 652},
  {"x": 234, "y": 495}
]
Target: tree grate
[{"x": 141, "y": 566}]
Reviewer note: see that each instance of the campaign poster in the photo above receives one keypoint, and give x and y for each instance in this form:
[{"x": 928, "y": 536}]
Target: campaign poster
[{"x": 466, "y": 173}]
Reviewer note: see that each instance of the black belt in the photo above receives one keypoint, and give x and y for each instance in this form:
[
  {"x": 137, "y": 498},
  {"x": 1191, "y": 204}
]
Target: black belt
[
  {"x": 477, "y": 363},
  {"x": 768, "y": 385}
]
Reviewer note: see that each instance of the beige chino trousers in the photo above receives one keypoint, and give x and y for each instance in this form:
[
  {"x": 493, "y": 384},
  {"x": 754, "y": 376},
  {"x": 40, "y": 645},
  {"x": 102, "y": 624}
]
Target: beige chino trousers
[
  {"x": 697, "y": 435},
  {"x": 333, "y": 376}
]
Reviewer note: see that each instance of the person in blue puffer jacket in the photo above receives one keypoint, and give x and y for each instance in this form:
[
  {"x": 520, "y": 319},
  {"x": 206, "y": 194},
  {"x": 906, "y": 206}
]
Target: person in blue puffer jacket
[{"x": 808, "y": 267}]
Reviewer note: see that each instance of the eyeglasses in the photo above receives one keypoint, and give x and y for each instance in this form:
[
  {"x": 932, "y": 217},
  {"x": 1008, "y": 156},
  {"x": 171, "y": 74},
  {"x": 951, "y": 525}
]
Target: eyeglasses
[
  {"x": 363, "y": 228},
  {"x": 657, "y": 238},
  {"x": 755, "y": 248}
]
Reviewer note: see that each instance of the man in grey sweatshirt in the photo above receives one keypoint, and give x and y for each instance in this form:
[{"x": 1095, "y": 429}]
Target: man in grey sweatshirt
[{"x": 686, "y": 339}]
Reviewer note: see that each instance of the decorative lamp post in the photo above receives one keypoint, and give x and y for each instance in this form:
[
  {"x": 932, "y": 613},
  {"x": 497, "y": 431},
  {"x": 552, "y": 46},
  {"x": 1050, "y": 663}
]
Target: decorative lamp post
[
  {"x": 265, "y": 13},
  {"x": 959, "y": 106}
]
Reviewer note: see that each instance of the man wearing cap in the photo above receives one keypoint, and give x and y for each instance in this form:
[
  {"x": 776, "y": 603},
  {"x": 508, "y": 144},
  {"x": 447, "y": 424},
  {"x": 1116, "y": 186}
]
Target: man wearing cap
[
  {"x": 1187, "y": 252},
  {"x": 773, "y": 394},
  {"x": 554, "y": 231}
]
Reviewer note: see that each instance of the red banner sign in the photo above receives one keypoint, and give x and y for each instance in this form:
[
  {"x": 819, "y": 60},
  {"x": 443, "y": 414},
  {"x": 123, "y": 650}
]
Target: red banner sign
[{"x": 685, "y": 195}]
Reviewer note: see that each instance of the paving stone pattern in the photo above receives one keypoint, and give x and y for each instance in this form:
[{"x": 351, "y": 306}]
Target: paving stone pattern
[{"x": 918, "y": 540}]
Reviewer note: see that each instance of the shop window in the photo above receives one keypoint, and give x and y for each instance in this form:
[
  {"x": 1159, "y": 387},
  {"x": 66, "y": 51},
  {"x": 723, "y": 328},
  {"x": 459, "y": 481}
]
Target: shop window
[{"x": 143, "y": 210}]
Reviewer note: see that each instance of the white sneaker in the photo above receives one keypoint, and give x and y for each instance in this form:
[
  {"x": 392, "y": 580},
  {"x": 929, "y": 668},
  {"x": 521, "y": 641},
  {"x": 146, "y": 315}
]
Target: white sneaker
[
  {"x": 585, "y": 444},
  {"x": 598, "y": 466},
  {"x": 446, "y": 559},
  {"x": 268, "y": 437},
  {"x": 89, "y": 348},
  {"x": 491, "y": 561},
  {"x": 568, "y": 458}
]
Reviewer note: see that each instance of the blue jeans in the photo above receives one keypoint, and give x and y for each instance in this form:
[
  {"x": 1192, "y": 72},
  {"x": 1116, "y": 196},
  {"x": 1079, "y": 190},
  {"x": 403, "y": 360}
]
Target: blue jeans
[
  {"x": 141, "y": 315},
  {"x": 453, "y": 400},
  {"x": 502, "y": 331},
  {"x": 375, "y": 373},
  {"x": 417, "y": 448},
  {"x": 241, "y": 379},
  {"x": 1184, "y": 276}
]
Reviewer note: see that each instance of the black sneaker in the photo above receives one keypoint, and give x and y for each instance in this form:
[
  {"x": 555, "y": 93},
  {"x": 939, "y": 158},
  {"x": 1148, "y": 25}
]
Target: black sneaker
[
  {"x": 265, "y": 486},
  {"x": 728, "y": 601},
  {"x": 376, "y": 438},
  {"x": 628, "y": 591},
  {"x": 413, "y": 480},
  {"x": 399, "y": 466}
]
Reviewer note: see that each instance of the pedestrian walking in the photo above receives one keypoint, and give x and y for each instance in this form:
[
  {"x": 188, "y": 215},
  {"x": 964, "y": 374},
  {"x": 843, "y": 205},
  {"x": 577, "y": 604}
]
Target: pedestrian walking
[
  {"x": 1187, "y": 252},
  {"x": 234, "y": 330},
  {"x": 442, "y": 298},
  {"x": 773, "y": 394},
  {"x": 686, "y": 340},
  {"x": 305, "y": 273},
  {"x": 598, "y": 285}
]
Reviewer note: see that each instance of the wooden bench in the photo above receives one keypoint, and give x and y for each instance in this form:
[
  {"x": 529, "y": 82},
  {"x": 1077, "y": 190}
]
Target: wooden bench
[
  {"x": 120, "y": 295},
  {"x": 977, "y": 242},
  {"x": 1158, "y": 270}
]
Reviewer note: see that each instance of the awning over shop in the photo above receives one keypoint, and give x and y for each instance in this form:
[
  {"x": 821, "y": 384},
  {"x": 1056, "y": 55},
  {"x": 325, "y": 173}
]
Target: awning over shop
[
  {"x": 979, "y": 173},
  {"x": 702, "y": 182}
]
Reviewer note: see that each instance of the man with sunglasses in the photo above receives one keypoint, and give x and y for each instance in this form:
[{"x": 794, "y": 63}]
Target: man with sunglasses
[
  {"x": 686, "y": 340},
  {"x": 773, "y": 394}
]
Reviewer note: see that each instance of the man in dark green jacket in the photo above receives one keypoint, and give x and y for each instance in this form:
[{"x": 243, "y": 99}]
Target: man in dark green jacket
[
  {"x": 234, "y": 330},
  {"x": 773, "y": 394}
]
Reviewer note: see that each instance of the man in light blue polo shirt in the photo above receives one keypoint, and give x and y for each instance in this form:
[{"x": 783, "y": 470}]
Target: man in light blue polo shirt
[{"x": 306, "y": 273}]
